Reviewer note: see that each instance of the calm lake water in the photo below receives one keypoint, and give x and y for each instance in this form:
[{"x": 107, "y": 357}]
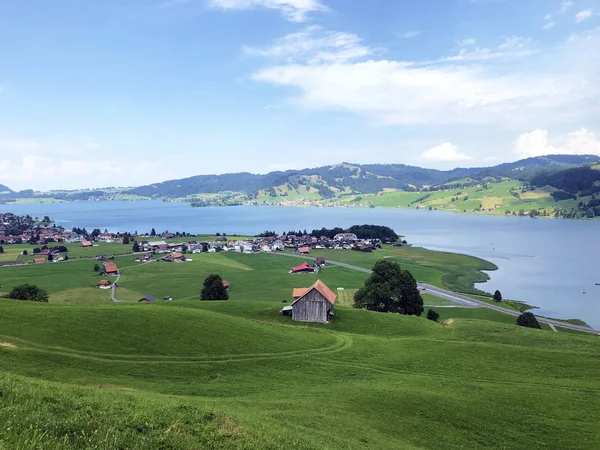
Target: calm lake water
[{"x": 545, "y": 262}]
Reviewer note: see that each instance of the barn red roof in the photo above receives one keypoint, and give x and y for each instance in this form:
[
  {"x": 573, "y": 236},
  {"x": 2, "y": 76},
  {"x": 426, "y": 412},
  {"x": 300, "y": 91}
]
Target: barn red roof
[
  {"x": 304, "y": 250},
  {"x": 110, "y": 267},
  {"x": 329, "y": 295},
  {"x": 301, "y": 267}
]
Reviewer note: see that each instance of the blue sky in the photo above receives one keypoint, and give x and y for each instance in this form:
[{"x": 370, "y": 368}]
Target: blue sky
[{"x": 129, "y": 92}]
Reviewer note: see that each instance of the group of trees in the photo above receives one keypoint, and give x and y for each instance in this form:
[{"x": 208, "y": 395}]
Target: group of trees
[
  {"x": 390, "y": 289},
  {"x": 383, "y": 233},
  {"x": 28, "y": 292}
]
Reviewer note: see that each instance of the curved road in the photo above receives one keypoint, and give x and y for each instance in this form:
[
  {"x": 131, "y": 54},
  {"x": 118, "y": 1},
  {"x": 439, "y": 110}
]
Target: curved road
[
  {"x": 112, "y": 288},
  {"x": 462, "y": 300}
]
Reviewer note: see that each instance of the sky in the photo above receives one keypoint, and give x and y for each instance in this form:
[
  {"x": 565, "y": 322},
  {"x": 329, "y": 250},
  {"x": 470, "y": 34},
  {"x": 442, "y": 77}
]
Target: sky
[{"x": 132, "y": 92}]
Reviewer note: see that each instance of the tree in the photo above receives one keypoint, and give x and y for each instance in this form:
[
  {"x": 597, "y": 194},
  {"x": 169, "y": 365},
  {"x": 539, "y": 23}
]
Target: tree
[
  {"x": 25, "y": 252},
  {"x": 432, "y": 315},
  {"x": 96, "y": 268},
  {"x": 1, "y": 249},
  {"x": 126, "y": 239},
  {"x": 390, "y": 289},
  {"x": 28, "y": 292},
  {"x": 213, "y": 289},
  {"x": 136, "y": 247},
  {"x": 497, "y": 296},
  {"x": 36, "y": 251},
  {"x": 66, "y": 257},
  {"x": 528, "y": 320},
  {"x": 153, "y": 232},
  {"x": 50, "y": 258},
  {"x": 184, "y": 248}
]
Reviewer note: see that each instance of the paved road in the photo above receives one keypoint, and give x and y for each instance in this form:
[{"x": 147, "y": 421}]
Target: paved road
[
  {"x": 463, "y": 300},
  {"x": 112, "y": 288}
]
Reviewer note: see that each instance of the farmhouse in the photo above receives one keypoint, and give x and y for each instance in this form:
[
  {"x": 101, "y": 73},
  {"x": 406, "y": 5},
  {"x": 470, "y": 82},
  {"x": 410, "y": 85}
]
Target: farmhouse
[
  {"x": 147, "y": 299},
  {"x": 226, "y": 285},
  {"x": 345, "y": 237},
  {"x": 103, "y": 284},
  {"x": 86, "y": 244},
  {"x": 303, "y": 268},
  {"x": 320, "y": 261},
  {"x": 39, "y": 260},
  {"x": 313, "y": 304},
  {"x": 110, "y": 268},
  {"x": 303, "y": 250}
]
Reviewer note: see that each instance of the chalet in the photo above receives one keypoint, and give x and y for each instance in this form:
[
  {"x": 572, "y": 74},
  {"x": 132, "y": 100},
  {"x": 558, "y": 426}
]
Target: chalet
[
  {"x": 226, "y": 285},
  {"x": 86, "y": 244},
  {"x": 303, "y": 250},
  {"x": 320, "y": 261},
  {"x": 101, "y": 257},
  {"x": 303, "y": 268},
  {"x": 168, "y": 298},
  {"x": 110, "y": 268},
  {"x": 39, "y": 260},
  {"x": 103, "y": 284},
  {"x": 313, "y": 304},
  {"x": 174, "y": 257},
  {"x": 44, "y": 252},
  {"x": 147, "y": 299}
]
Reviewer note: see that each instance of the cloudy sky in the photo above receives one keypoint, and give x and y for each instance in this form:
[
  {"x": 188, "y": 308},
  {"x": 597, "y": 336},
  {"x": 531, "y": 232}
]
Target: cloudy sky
[{"x": 129, "y": 92}]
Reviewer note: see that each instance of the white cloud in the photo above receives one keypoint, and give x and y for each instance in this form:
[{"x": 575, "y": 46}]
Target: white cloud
[
  {"x": 537, "y": 143},
  {"x": 27, "y": 164},
  {"x": 565, "y": 6},
  {"x": 445, "y": 152},
  {"x": 313, "y": 45},
  {"x": 583, "y": 15},
  {"x": 478, "y": 85},
  {"x": 549, "y": 25},
  {"x": 513, "y": 46},
  {"x": 410, "y": 34},
  {"x": 293, "y": 10}
]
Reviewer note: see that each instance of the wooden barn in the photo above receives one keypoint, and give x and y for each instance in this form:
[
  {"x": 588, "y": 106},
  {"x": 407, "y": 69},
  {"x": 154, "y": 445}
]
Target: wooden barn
[
  {"x": 110, "y": 269},
  {"x": 313, "y": 304}
]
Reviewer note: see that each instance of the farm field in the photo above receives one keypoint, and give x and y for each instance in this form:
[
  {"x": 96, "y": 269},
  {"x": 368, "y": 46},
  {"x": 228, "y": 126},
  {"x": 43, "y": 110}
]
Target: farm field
[
  {"x": 82, "y": 371},
  {"x": 236, "y": 374}
]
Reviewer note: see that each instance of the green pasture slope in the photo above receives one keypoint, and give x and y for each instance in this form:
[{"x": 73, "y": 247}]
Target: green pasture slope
[{"x": 83, "y": 372}]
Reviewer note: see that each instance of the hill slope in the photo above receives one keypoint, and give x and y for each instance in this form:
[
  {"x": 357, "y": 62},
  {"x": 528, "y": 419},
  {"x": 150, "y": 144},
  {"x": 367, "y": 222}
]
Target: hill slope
[{"x": 368, "y": 380}]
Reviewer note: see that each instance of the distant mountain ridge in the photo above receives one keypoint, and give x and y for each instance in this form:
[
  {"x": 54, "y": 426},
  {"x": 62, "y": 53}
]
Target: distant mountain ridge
[
  {"x": 344, "y": 177},
  {"x": 324, "y": 182}
]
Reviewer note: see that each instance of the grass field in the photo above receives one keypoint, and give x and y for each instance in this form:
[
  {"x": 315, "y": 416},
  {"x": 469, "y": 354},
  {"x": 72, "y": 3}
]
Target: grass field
[
  {"x": 83, "y": 372},
  {"x": 235, "y": 374}
]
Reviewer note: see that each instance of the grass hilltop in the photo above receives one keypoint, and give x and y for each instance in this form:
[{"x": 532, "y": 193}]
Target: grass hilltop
[{"x": 84, "y": 372}]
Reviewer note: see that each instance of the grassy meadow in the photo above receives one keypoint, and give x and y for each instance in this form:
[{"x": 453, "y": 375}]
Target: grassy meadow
[{"x": 83, "y": 372}]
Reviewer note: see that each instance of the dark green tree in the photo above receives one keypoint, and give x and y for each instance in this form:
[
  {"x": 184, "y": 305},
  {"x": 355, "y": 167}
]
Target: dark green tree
[
  {"x": 136, "y": 247},
  {"x": 25, "y": 252},
  {"x": 126, "y": 239},
  {"x": 96, "y": 268},
  {"x": 432, "y": 315},
  {"x": 1, "y": 249},
  {"x": 184, "y": 248},
  {"x": 528, "y": 320},
  {"x": 50, "y": 258},
  {"x": 497, "y": 296},
  {"x": 213, "y": 289},
  {"x": 390, "y": 289},
  {"x": 66, "y": 257},
  {"x": 28, "y": 292},
  {"x": 153, "y": 232}
]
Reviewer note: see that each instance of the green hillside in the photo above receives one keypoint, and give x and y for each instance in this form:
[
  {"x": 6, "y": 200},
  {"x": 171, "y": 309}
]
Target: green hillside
[{"x": 83, "y": 372}]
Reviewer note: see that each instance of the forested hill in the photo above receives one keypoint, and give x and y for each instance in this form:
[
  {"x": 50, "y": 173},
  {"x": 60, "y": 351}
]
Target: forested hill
[
  {"x": 346, "y": 177},
  {"x": 323, "y": 182}
]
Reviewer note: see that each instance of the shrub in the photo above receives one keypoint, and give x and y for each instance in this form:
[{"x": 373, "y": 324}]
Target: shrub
[
  {"x": 432, "y": 315},
  {"x": 528, "y": 320}
]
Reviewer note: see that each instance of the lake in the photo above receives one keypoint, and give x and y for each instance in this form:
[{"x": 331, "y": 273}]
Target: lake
[{"x": 545, "y": 262}]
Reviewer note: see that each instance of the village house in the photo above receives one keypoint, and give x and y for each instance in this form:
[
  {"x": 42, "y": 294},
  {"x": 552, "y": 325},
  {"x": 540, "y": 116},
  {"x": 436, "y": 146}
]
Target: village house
[
  {"x": 345, "y": 237},
  {"x": 303, "y": 251},
  {"x": 313, "y": 304},
  {"x": 86, "y": 244},
  {"x": 110, "y": 268},
  {"x": 320, "y": 261},
  {"x": 147, "y": 299},
  {"x": 303, "y": 268},
  {"x": 146, "y": 257},
  {"x": 226, "y": 285},
  {"x": 39, "y": 260},
  {"x": 104, "y": 284}
]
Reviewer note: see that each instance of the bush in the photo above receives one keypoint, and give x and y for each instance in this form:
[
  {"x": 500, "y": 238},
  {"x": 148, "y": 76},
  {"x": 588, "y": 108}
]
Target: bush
[
  {"x": 28, "y": 292},
  {"x": 528, "y": 320},
  {"x": 497, "y": 296},
  {"x": 432, "y": 315}
]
